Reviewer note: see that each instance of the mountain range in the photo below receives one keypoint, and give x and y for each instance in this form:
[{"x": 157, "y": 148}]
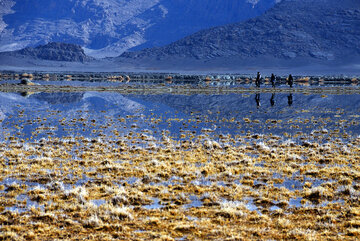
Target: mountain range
[
  {"x": 298, "y": 31},
  {"x": 107, "y": 28},
  {"x": 317, "y": 36}
]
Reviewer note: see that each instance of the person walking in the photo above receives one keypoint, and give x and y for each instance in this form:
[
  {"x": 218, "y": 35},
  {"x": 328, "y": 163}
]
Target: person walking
[
  {"x": 258, "y": 78},
  {"x": 272, "y": 79},
  {"x": 290, "y": 81}
]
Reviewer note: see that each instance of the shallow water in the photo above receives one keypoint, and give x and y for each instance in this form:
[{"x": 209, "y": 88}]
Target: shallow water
[
  {"x": 265, "y": 162},
  {"x": 91, "y": 114}
]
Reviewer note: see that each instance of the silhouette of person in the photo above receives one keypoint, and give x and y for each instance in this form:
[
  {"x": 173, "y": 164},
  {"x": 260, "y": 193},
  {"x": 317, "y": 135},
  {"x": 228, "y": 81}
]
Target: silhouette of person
[
  {"x": 258, "y": 78},
  {"x": 257, "y": 99},
  {"x": 272, "y": 80},
  {"x": 290, "y": 81},
  {"x": 290, "y": 99},
  {"x": 272, "y": 99}
]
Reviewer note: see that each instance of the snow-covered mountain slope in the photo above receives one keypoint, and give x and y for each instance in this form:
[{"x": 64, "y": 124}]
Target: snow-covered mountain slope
[{"x": 110, "y": 27}]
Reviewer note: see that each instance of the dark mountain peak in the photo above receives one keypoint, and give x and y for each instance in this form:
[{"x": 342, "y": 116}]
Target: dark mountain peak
[
  {"x": 54, "y": 51},
  {"x": 61, "y": 46},
  {"x": 293, "y": 29}
]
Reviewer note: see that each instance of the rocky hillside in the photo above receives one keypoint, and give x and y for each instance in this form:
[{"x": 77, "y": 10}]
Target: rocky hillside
[
  {"x": 293, "y": 29},
  {"x": 109, "y": 27},
  {"x": 52, "y": 51}
]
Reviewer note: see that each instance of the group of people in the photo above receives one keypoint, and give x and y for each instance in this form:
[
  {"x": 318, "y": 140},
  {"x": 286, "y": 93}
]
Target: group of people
[{"x": 290, "y": 80}]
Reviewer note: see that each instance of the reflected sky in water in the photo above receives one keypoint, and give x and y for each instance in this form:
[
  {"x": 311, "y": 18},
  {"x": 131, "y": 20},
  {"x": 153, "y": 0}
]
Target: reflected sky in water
[{"x": 92, "y": 114}]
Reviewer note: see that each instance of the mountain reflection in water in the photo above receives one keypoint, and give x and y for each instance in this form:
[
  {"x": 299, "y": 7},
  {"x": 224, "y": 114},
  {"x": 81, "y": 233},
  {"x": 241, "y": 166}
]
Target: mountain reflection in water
[{"x": 92, "y": 114}]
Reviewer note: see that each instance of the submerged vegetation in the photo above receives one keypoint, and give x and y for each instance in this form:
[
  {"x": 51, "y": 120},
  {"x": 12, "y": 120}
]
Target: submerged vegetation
[
  {"x": 184, "y": 177},
  {"x": 194, "y": 189}
]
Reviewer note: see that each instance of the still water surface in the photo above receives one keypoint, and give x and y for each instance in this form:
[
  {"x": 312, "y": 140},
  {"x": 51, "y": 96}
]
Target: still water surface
[{"x": 92, "y": 114}]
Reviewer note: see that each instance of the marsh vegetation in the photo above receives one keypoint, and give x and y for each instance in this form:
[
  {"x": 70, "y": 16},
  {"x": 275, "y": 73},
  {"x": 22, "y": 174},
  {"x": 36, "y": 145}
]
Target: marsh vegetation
[{"x": 138, "y": 166}]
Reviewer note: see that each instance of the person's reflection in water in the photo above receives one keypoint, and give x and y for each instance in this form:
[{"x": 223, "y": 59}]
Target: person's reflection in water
[
  {"x": 272, "y": 99},
  {"x": 26, "y": 94},
  {"x": 290, "y": 99},
  {"x": 257, "y": 99}
]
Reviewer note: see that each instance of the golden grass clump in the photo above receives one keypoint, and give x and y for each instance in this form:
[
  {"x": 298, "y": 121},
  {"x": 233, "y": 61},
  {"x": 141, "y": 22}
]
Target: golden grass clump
[{"x": 250, "y": 186}]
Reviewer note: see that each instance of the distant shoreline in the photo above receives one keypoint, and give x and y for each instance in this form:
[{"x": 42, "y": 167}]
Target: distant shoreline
[
  {"x": 180, "y": 89},
  {"x": 122, "y": 76}
]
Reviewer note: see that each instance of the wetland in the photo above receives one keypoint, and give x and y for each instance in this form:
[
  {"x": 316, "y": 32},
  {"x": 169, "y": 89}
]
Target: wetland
[{"x": 167, "y": 160}]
